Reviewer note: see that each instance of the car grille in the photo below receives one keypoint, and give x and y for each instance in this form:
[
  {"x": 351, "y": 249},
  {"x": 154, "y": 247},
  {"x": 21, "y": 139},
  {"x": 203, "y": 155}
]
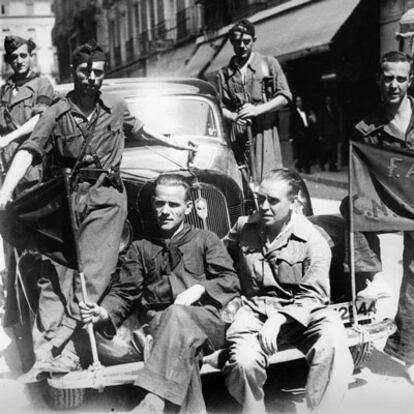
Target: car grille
[{"x": 218, "y": 219}]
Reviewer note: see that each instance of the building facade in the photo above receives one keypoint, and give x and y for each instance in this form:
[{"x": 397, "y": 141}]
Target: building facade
[{"x": 30, "y": 19}]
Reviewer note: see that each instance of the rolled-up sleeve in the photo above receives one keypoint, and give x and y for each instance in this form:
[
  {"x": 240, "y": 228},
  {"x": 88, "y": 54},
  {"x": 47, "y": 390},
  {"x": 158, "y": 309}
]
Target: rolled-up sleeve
[
  {"x": 133, "y": 126},
  {"x": 281, "y": 86},
  {"x": 314, "y": 290},
  {"x": 39, "y": 142}
]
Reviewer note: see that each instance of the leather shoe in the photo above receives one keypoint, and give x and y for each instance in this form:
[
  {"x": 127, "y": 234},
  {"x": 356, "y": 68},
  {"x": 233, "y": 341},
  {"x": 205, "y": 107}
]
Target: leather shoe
[{"x": 37, "y": 373}]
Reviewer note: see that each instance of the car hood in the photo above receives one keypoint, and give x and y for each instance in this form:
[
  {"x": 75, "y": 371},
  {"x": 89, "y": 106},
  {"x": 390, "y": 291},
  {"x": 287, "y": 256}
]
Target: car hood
[{"x": 150, "y": 161}]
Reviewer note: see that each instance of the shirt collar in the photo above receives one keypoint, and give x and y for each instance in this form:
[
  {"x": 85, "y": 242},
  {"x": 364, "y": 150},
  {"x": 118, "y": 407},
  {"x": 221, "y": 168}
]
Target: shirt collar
[
  {"x": 297, "y": 227},
  {"x": 378, "y": 120},
  {"x": 251, "y": 64},
  {"x": 68, "y": 105}
]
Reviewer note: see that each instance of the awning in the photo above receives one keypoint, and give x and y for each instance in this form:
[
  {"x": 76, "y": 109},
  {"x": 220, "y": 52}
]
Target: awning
[
  {"x": 202, "y": 56},
  {"x": 407, "y": 21},
  {"x": 171, "y": 62},
  {"x": 296, "y": 32}
]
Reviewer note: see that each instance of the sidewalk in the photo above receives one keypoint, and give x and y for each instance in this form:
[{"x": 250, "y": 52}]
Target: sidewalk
[{"x": 334, "y": 179}]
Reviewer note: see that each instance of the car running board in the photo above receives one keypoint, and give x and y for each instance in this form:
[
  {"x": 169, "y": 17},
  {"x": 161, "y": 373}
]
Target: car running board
[{"x": 101, "y": 377}]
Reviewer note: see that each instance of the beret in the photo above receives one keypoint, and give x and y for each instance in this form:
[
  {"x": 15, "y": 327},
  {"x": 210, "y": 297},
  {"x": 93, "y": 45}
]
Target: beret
[
  {"x": 244, "y": 27},
  {"x": 88, "y": 52},
  {"x": 11, "y": 43}
]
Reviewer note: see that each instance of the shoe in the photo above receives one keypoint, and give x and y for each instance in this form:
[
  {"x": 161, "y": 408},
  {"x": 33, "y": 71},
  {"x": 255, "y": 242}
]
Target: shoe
[
  {"x": 37, "y": 373},
  {"x": 376, "y": 289},
  {"x": 409, "y": 372},
  {"x": 64, "y": 363},
  {"x": 151, "y": 404}
]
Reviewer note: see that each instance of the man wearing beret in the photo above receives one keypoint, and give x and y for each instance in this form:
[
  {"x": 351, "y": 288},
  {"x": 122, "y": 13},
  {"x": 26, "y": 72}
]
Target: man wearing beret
[
  {"x": 23, "y": 98},
  {"x": 97, "y": 197},
  {"x": 253, "y": 87}
]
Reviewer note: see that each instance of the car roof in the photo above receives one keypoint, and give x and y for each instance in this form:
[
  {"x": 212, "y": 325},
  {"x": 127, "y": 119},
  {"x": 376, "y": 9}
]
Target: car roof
[{"x": 152, "y": 86}]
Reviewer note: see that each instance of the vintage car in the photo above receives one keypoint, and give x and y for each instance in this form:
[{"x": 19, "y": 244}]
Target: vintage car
[{"x": 189, "y": 109}]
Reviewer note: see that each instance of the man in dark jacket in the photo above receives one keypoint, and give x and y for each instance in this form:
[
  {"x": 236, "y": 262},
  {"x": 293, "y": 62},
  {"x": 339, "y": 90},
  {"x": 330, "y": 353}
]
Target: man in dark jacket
[{"x": 181, "y": 278}]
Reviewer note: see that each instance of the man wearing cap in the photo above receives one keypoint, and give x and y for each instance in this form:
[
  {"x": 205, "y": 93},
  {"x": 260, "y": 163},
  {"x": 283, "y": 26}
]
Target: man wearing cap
[
  {"x": 98, "y": 198},
  {"x": 23, "y": 98},
  {"x": 253, "y": 87}
]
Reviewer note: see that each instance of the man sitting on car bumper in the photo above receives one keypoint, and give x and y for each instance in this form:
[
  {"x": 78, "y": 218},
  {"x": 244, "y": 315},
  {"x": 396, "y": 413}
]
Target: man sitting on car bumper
[
  {"x": 180, "y": 279},
  {"x": 283, "y": 263}
]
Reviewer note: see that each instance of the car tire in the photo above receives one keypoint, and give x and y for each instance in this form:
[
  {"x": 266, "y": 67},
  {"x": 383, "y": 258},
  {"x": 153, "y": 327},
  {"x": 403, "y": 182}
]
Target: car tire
[{"x": 65, "y": 399}]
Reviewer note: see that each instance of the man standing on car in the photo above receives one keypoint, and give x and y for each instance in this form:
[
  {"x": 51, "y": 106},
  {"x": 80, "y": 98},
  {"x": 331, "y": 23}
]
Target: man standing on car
[
  {"x": 180, "y": 279},
  {"x": 253, "y": 88},
  {"x": 86, "y": 128},
  {"x": 283, "y": 264},
  {"x": 392, "y": 124}
]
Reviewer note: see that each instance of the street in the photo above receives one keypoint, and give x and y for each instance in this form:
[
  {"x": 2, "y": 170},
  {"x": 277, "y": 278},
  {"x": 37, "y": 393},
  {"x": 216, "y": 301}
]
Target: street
[{"x": 379, "y": 388}]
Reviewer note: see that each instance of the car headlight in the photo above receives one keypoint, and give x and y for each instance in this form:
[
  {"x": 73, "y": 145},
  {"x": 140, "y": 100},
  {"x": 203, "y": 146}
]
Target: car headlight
[{"x": 126, "y": 236}]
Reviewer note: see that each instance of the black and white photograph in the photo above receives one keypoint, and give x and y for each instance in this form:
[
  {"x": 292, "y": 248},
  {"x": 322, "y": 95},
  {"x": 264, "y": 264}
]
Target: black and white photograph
[{"x": 207, "y": 206}]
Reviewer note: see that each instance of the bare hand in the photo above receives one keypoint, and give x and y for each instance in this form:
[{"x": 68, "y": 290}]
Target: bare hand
[
  {"x": 190, "y": 295},
  {"x": 248, "y": 111},
  {"x": 270, "y": 331},
  {"x": 92, "y": 312},
  {"x": 5, "y": 199}
]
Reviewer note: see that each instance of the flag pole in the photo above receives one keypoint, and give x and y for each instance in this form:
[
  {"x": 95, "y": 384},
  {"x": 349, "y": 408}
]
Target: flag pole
[{"x": 351, "y": 234}]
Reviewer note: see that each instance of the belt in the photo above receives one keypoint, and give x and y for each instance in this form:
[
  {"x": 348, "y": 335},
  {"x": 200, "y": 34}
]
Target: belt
[{"x": 111, "y": 178}]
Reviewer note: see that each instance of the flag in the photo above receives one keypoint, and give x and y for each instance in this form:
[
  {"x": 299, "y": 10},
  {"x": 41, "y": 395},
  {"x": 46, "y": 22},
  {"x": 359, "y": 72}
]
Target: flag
[{"x": 382, "y": 186}]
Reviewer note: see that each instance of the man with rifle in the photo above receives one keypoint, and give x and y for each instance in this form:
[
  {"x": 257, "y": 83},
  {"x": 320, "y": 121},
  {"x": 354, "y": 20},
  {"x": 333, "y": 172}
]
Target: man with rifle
[
  {"x": 253, "y": 88},
  {"x": 84, "y": 132}
]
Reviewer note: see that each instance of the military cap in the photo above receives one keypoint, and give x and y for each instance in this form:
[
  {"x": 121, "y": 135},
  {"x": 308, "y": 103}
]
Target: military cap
[
  {"x": 11, "y": 43},
  {"x": 88, "y": 52},
  {"x": 244, "y": 27}
]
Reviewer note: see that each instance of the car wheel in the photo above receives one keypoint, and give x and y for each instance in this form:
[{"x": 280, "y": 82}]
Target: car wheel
[{"x": 65, "y": 399}]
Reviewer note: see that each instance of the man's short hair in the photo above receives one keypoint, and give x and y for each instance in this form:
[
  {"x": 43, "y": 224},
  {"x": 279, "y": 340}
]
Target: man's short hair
[
  {"x": 285, "y": 174},
  {"x": 244, "y": 27},
  {"x": 174, "y": 180},
  {"x": 396, "y": 56}
]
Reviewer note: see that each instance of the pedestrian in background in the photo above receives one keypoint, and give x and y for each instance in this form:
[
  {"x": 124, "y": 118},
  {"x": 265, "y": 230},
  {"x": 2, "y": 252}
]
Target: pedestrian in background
[
  {"x": 253, "y": 88},
  {"x": 328, "y": 121},
  {"x": 303, "y": 134}
]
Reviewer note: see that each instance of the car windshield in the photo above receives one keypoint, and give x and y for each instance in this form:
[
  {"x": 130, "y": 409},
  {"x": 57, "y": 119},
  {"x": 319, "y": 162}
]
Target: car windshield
[{"x": 175, "y": 115}]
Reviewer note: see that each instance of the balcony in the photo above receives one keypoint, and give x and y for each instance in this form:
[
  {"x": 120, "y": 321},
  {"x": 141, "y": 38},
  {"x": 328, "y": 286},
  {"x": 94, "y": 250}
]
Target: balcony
[{"x": 189, "y": 22}]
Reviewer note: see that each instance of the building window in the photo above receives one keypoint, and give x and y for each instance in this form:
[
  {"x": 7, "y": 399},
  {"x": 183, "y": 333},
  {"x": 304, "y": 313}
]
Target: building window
[
  {"x": 29, "y": 7},
  {"x": 31, "y": 34}
]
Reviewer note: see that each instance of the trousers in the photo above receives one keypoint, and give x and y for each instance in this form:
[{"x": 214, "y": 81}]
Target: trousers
[
  {"x": 182, "y": 335},
  {"x": 100, "y": 212},
  {"x": 401, "y": 343},
  {"x": 323, "y": 343}
]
